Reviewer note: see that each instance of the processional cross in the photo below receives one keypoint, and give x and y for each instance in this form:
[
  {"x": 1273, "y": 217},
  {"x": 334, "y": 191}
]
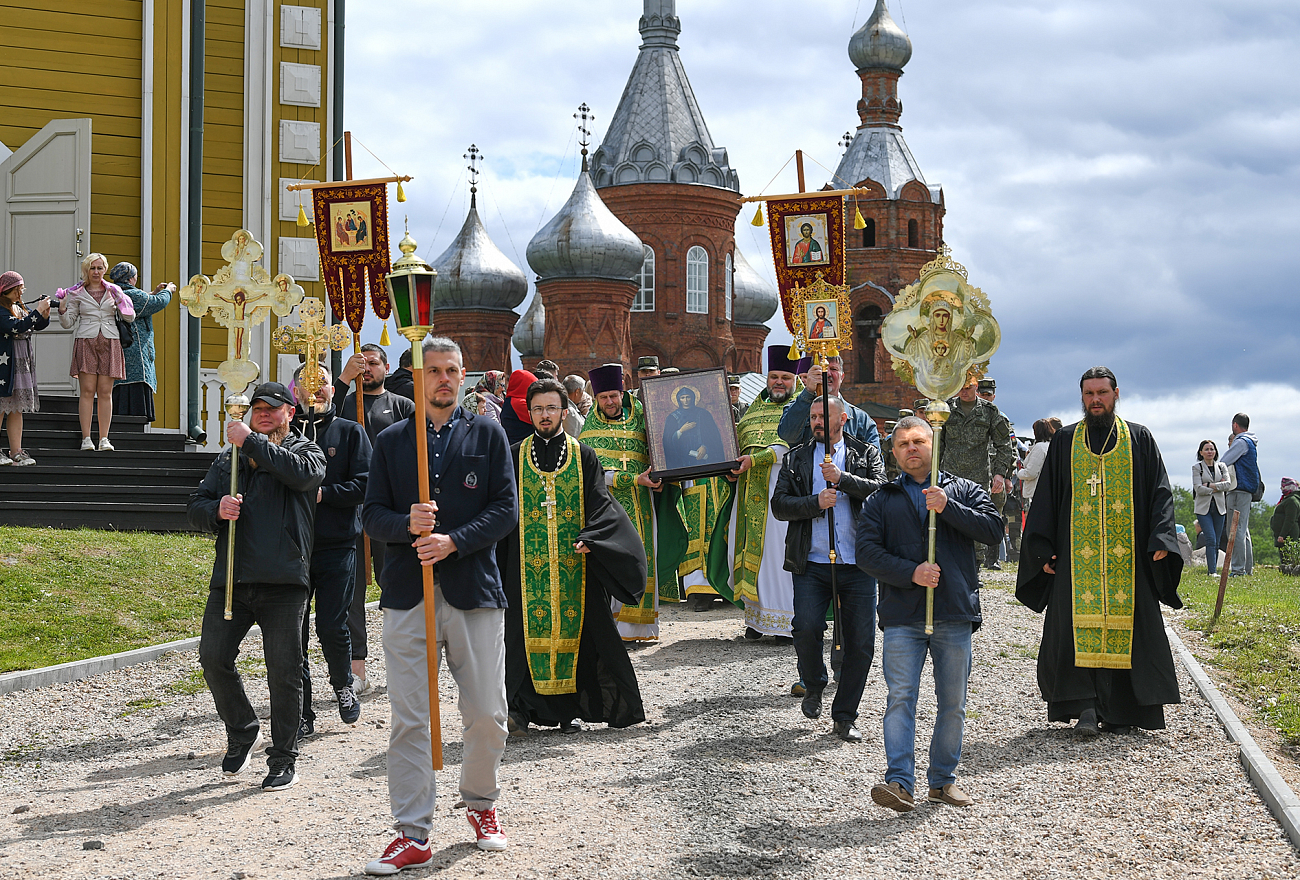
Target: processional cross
[
  {"x": 240, "y": 296},
  {"x": 311, "y": 339}
]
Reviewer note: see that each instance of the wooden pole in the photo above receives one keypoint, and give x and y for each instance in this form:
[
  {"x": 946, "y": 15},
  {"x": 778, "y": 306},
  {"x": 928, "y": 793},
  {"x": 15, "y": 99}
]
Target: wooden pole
[
  {"x": 798, "y": 165},
  {"x": 356, "y": 349},
  {"x": 430, "y": 609},
  {"x": 1223, "y": 569}
]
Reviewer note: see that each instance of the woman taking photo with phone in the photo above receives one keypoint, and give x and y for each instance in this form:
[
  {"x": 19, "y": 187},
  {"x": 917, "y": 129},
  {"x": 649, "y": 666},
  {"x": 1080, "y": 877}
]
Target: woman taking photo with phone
[
  {"x": 18, "y": 362},
  {"x": 92, "y": 307}
]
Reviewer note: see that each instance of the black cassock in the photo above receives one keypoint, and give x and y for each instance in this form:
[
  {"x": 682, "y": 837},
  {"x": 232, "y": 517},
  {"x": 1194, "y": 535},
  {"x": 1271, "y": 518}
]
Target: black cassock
[
  {"x": 607, "y": 689},
  {"x": 1136, "y": 696}
]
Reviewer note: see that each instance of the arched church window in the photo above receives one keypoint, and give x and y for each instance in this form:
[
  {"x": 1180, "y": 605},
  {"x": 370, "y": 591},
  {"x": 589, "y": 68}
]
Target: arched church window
[
  {"x": 645, "y": 296},
  {"x": 913, "y": 234},
  {"x": 697, "y": 281},
  {"x": 869, "y": 233},
  {"x": 728, "y": 289},
  {"x": 867, "y": 320}
]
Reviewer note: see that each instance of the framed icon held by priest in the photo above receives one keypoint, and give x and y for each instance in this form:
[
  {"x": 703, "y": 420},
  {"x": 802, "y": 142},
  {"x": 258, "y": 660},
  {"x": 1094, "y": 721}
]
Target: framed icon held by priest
[{"x": 689, "y": 424}]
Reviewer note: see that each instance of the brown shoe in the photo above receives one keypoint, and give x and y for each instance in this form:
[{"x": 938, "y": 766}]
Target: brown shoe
[
  {"x": 894, "y": 796},
  {"x": 950, "y": 794}
]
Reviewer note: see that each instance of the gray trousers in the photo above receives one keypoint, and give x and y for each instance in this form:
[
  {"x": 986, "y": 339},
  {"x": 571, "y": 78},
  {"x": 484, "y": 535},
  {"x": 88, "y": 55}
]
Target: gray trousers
[
  {"x": 475, "y": 648},
  {"x": 1242, "y": 561}
]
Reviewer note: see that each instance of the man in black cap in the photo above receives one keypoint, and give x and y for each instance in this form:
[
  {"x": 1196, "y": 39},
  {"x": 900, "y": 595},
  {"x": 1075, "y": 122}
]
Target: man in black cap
[
  {"x": 646, "y": 367},
  {"x": 279, "y": 474}
]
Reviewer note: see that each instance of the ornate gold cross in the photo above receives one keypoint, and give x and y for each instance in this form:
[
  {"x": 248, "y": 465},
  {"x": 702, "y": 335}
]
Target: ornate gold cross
[
  {"x": 311, "y": 339},
  {"x": 240, "y": 296},
  {"x": 1093, "y": 482},
  {"x": 549, "y": 503}
]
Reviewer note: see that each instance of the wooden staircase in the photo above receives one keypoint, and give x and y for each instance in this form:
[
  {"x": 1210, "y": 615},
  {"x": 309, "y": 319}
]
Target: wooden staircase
[{"x": 142, "y": 486}]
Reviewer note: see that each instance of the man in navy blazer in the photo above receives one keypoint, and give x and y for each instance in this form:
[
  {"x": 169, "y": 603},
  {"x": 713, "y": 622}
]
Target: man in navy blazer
[{"x": 474, "y": 505}]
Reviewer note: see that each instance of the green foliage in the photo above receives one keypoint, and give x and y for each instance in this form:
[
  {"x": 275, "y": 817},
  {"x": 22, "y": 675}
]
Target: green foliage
[
  {"x": 1261, "y": 536},
  {"x": 70, "y": 594},
  {"x": 1257, "y": 640}
]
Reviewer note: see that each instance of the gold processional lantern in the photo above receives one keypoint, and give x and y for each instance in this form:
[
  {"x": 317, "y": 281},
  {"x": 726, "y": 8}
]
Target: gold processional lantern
[{"x": 410, "y": 291}]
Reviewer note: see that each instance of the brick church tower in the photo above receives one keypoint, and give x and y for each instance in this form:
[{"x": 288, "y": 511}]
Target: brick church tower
[
  {"x": 659, "y": 171},
  {"x": 904, "y": 214}
]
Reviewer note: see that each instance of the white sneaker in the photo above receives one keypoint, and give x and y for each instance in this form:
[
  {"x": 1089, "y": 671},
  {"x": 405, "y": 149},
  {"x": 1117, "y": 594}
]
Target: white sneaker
[
  {"x": 4, "y": 459},
  {"x": 22, "y": 459},
  {"x": 362, "y": 687},
  {"x": 105, "y": 446},
  {"x": 87, "y": 445}
]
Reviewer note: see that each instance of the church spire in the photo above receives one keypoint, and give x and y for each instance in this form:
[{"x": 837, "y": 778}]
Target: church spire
[{"x": 660, "y": 24}]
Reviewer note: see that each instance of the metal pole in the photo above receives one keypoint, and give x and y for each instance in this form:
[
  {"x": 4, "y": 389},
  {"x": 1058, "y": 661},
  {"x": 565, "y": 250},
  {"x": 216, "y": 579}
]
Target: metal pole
[
  {"x": 936, "y": 413},
  {"x": 830, "y": 512},
  {"x": 236, "y": 406},
  {"x": 194, "y": 252},
  {"x": 430, "y": 610}
]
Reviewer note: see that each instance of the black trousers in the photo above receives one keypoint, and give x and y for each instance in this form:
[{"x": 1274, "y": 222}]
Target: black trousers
[{"x": 332, "y": 573}]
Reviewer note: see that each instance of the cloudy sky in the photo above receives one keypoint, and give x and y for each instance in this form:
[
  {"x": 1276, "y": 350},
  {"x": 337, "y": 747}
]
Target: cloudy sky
[{"x": 1122, "y": 179}]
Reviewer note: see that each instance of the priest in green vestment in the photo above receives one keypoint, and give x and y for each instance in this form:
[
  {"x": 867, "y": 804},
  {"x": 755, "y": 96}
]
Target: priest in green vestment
[
  {"x": 615, "y": 431},
  {"x": 1099, "y": 554},
  {"x": 573, "y": 550}
]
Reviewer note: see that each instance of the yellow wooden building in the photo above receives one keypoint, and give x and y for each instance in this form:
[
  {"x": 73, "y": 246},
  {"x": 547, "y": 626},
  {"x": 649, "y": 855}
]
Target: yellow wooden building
[{"x": 95, "y": 104}]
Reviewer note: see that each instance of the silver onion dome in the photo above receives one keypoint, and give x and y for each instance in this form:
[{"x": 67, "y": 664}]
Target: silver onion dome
[
  {"x": 530, "y": 331},
  {"x": 474, "y": 274},
  {"x": 585, "y": 240},
  {"x": 754, "y": 299},
  {"x": 880, "y": 42}
]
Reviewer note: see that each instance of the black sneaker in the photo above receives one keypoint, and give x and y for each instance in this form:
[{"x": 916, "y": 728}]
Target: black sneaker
[
  {"x": 280, "y": 777},
  {"x": 239, "y": 755},
  {"x": 349, "y": 707},
  {"x": 306, "y": 728}
]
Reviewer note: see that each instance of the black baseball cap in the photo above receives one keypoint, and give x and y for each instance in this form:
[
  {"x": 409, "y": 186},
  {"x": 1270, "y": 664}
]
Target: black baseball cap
[{"x": 273, "y": 393}]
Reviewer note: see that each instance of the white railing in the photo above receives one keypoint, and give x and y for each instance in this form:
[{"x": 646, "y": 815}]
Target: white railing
[{"x": 211, "y": 414}]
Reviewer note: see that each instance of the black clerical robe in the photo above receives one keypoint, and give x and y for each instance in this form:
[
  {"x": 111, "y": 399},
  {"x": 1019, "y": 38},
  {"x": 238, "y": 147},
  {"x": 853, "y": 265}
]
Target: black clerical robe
[
  {"x": 1136, "y": 696},
  {"x": 607, "y": 689}
]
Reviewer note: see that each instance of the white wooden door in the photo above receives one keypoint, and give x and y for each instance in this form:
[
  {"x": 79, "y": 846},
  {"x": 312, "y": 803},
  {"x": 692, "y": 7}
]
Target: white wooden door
[{"x": 46, "y": 230}]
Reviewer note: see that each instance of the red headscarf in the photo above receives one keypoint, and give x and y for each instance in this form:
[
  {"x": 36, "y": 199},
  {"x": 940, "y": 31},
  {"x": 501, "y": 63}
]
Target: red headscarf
[{"x": 517, "y": 392}]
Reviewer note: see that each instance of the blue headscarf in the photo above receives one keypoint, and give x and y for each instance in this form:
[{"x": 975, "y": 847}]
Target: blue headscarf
[{"x": 122, "y": 273}]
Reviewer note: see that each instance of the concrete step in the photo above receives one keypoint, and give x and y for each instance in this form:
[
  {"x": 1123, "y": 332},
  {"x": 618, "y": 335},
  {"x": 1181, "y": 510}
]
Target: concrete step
[{"x": 135, "y": 517}]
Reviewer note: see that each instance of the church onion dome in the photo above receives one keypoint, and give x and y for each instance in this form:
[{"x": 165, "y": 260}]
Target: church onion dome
[
  {"x": 880, "y": 42},
  {"x": 530, "y": 331},
  {"x": 658, "y": 134},
  {"x": 474, "y": 274},
  {"x": 881, "y": 154},
  {"x": 753, "y": 300},
  {"x": 585, "y": 240}
]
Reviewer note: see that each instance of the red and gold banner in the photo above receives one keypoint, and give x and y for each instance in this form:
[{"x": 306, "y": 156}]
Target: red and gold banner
[
  {"x": 352, "y": 232},
  {"x": 807, "y": 241}
]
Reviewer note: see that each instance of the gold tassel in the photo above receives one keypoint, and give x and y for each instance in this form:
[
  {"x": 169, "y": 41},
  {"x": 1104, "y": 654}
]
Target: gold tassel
[
  {"x": 383, "y": 337},
  {"x": 758, "y": 216},
  {"x": 858, "y": 222},
  {"x": 832, "y": 352},
  {"x": 302, "y": 216},
  {"x": 793, "y": 353},
  {"x": 401, "y": 197}
]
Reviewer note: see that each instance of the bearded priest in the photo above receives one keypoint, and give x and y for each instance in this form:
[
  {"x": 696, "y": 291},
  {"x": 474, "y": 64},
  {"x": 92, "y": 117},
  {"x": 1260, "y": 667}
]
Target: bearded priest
[
  {"x": 1100, "y": 554},
  {"x": 573, "y": 551}
]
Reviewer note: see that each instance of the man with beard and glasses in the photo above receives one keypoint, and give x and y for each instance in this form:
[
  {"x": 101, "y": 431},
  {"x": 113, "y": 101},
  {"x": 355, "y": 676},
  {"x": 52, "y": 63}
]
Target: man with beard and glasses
[
  {"x": 279, "y": 473},
  {"x": 473, "y": 506},
  {"x": 382, "y": 407},
  {"x": 759, "y": 582},
  {"x": 574, "y": 550},
  {"x": 1100, "y": 554},
  {"x": 333, "y": 555}
]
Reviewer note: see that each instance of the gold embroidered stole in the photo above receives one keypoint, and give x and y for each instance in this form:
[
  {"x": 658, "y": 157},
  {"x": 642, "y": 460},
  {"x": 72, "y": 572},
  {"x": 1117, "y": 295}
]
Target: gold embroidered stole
[
  {"x": 554, "y": 575},
  {"x": 757, "y": 432},
  {"x": 1101, "y": 551}
]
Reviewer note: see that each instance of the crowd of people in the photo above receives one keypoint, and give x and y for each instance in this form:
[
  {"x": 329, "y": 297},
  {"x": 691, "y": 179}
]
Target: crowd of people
[{"x": 552, "y": 542}]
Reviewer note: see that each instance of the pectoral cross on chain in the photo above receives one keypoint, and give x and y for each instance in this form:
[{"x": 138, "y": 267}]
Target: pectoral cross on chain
[
  {"x": 624, "y": 459},
  {"x": 1093, "y": 482},
  {"x": 549, "y": 503}
]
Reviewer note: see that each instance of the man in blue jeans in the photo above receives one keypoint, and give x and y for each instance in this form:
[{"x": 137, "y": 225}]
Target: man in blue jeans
[
  {"x": 334, "y": 556},
  {"x": 893, "y": 545},
  {"x": 806, "y": 488}
]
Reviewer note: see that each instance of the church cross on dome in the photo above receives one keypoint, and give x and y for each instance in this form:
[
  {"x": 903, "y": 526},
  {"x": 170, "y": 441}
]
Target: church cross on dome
[
  {"x": 474, "y": 155},
  {"x": 846, "y": 141},
  {"x": 584, "y": 116}
]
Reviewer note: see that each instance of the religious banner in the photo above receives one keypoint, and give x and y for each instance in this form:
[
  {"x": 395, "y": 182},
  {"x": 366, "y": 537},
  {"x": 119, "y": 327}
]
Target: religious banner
[
  {"x": 807, "y": 244},
  {"x": 352, "y": 233},
  {"x": 239, "y": 297}
]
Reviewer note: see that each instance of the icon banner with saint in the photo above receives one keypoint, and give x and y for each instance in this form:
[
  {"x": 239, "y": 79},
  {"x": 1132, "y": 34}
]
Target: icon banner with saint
[
  {"x": 807, "y": 242},
  {"x": 352, "y": 232}
]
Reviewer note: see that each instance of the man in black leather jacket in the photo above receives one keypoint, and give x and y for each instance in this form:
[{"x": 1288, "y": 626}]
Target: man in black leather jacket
[
  {"x": 802, "y": 497},
  {"x": 279, "y": 473}
]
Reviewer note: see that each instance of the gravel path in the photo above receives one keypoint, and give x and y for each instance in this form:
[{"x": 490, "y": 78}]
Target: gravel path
[{"x": 725, "y": 779}]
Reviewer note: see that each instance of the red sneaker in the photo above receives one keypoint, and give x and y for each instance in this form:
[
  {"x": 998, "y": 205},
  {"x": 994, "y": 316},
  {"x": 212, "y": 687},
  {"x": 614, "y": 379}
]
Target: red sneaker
[
  {"x": 485, "y": 825},
  {"x": 401, "y": 854}
]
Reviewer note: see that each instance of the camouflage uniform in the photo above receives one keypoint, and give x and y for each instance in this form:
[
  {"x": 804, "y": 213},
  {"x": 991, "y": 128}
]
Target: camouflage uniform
[{"x": 976, "y": 444}]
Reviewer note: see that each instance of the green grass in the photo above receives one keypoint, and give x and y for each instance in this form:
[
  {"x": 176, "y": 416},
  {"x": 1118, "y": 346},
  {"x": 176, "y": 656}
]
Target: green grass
[
  {"x": 1256, "y": 641},
  {"x": 70, "y": 594}
]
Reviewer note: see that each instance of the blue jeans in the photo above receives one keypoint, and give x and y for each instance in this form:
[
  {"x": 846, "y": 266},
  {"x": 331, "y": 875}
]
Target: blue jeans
[
  {"x": 902, "y": 656},
  {"x": 331, "y": 583},
  {"x": 812, "y": 598},
  {"x": 1212, "y": 529},
  {"x": 278, "y": 609}
]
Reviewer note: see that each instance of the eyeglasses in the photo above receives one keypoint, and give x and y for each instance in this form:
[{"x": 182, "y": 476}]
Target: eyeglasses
[{"x": 544, "y": 410}]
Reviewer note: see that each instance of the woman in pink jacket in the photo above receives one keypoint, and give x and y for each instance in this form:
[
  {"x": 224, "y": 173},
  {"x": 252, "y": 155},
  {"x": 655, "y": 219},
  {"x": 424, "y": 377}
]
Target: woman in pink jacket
[{"x": 91, "y": 308}]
